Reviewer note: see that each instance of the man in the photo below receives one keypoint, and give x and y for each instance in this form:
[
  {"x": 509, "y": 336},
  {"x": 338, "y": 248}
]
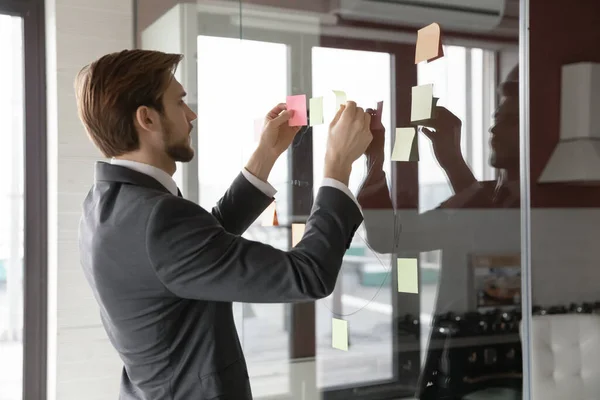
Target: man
[
  {"x": 481, "y": 217},
  {"x": 164, "y": 270}
]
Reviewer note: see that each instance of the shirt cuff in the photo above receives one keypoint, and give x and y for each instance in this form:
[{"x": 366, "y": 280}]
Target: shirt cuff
[
  {"x": 264, "y": 187},
  {"x": 340, "y": 186}
]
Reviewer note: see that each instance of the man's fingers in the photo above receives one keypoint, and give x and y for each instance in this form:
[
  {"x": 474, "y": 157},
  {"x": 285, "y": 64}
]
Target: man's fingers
[
  {"x": 338, "y": 115},
  {"x": 350, "y": 110},
  {"x": 283, "y": 117},
  {"x": 275, "y": 111}
]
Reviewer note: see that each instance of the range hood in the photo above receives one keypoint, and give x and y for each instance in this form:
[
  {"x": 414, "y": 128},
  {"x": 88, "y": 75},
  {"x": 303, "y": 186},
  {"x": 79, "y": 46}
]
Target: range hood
[{"x": 576, "y": 158}]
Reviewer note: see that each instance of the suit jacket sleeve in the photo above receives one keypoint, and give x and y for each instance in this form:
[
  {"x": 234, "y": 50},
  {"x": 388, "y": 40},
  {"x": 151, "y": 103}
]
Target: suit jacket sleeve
[
  {"x": 196, "y": 258},
  {"x": 240, "y": 206}
]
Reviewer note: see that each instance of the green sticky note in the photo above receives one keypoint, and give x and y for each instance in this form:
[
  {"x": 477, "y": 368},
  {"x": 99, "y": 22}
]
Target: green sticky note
[
  {"x": 339, "y": 334},
  {"x": 406, "y": 146},
  {"x": 422, "y": 103},
  {"x": 316, "y": 111},
  {"x": 408, "y": 275},
  {"x": 340, "y": 98}
]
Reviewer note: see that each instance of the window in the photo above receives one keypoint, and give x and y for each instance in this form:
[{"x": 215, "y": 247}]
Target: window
[
  {"x": 11, "y": 208},
  {"x": 461, "y": 68},
  {"x": 363, "y": 291},
  {"x": 230, "y": 100}
]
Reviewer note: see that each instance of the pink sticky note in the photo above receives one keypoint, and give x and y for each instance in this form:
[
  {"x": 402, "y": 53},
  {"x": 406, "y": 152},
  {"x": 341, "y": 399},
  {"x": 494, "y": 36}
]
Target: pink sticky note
[{"x": 298, "y": 104}]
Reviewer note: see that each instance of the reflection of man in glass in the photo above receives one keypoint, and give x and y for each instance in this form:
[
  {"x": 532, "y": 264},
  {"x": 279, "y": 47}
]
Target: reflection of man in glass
[
  {"x": 476, "y": 219},
  {"x": 445, "y": 137}
]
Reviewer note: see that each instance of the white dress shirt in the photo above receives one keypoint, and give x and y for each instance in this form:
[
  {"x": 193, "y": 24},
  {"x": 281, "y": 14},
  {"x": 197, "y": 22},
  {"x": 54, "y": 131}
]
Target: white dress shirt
[{"x": 167, "y": 180}]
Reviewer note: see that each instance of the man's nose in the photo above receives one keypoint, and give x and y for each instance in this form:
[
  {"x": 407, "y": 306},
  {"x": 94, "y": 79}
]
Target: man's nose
[{"x": 191, "y": 115}]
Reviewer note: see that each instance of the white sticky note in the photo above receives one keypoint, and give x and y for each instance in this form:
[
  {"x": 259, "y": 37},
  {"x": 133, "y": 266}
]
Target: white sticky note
[
  {"x": 297, "y": 233},
  {"x": 339, "y": 334},
  {"x": 408, "y": 275},
  {"x": 340, "y": 98},
  {"x": 403, "y": 145},
  {"x": 421, "y": 103},
  {"x": 316, "y": 111}
]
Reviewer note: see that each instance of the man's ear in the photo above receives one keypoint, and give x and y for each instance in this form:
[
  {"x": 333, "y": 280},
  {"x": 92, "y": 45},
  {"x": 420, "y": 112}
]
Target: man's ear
[{"x": 147, "y": 119}]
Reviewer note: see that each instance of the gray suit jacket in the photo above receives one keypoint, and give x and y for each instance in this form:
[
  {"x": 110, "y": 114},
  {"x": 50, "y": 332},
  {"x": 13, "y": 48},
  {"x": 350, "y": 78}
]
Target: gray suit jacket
[{"x": 165, "y": 271}]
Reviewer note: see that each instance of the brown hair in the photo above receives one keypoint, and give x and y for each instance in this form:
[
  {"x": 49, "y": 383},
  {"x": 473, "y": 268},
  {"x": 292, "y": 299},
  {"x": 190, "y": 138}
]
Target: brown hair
[{"x": 110, "y": 90}]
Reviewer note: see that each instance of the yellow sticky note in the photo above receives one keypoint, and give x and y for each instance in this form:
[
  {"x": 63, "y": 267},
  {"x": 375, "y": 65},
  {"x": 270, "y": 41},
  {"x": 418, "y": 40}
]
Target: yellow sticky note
[
  {"x": 297, "y": 233},
  {"x": 316, "y": 111},
  {"x": 422, "y": 103},
  {"x": 408, "y": 275},
  {"x": 339, "y": 334},
  {"x": 429, "y": 43},
  {"x": 405, "y": 145},
  {"x": 340, "y": 98}
]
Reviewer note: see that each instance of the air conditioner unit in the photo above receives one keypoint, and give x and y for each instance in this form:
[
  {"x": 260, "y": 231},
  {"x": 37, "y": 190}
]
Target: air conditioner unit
[{"x": 489, "y": 17}]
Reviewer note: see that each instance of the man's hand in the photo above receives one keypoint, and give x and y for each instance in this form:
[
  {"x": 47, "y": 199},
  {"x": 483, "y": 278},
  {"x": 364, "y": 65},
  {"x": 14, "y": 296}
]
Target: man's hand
[
  {"x": 277, "y": 135},
  {"x": 445, "y": 137},
  {"x": 349, "y": 136}
]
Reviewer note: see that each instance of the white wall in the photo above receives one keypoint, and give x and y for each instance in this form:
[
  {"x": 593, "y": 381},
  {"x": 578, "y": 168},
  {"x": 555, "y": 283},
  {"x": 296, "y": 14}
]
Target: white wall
[{"x": 82, "y": 361}]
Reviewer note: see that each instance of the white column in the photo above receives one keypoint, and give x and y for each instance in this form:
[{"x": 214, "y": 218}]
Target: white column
[{"x": 82, "y": 362}]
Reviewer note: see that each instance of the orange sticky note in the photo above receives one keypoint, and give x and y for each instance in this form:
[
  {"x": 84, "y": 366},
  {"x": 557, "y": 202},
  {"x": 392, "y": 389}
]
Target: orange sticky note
[
  {"x": 298, "y": 105},
  {"x": 429, "y": 43},
  {"x": 270, "y": 215},
  {"x": 297, "y": 233}
]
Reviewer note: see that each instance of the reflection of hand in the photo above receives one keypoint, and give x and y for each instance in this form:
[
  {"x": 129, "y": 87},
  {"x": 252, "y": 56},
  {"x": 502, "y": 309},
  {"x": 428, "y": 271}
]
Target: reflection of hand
[
  {"x": 277, "y": 135},
  {"x": 445, "y": 137},
  {"x": 375, "y": 151}
]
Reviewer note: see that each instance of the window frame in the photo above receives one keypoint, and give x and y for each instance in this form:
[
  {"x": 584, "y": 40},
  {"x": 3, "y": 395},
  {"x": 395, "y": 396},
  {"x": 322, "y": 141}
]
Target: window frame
[{"x": 35, "y": 261}]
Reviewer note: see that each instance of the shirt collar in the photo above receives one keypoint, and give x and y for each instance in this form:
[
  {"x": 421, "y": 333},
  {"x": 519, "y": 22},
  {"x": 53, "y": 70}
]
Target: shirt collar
[{"x": 161, "y": 176}]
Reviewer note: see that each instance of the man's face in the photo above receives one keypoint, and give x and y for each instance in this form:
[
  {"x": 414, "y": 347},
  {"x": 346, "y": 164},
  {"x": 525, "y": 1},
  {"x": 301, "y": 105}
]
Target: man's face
[
  {"x": 504, "y": 138},
  {"x": 177, "y": 123}
]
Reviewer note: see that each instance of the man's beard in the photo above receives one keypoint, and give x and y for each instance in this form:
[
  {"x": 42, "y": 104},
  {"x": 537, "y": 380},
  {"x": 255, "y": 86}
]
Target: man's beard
[{"x": 179, "y": 152}]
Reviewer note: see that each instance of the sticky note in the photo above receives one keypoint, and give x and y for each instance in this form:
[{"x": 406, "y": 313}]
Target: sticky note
[
  {"x": 408, "y": 275},
  {"x": 421, "y": 103},
  {"x": 297, "y": 233},
  {"x": 405, "y": 146},
  {"x": 269, "y": 217},
  {"x": 429, "y": 43},
  {"x": 316, "y": 111},
  {"x": 298, "y": 104},
  {"x": 340, "y": 98},
  {"x": 339, "y": 334}
]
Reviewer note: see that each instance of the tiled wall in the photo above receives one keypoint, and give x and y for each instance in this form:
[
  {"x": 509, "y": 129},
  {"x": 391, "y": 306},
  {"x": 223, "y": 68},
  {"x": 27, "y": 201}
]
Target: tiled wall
[{"x": 78, "y": 31}]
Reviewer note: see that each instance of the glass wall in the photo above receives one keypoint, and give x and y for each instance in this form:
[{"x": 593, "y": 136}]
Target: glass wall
[{"x": 431, "y": 287}]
